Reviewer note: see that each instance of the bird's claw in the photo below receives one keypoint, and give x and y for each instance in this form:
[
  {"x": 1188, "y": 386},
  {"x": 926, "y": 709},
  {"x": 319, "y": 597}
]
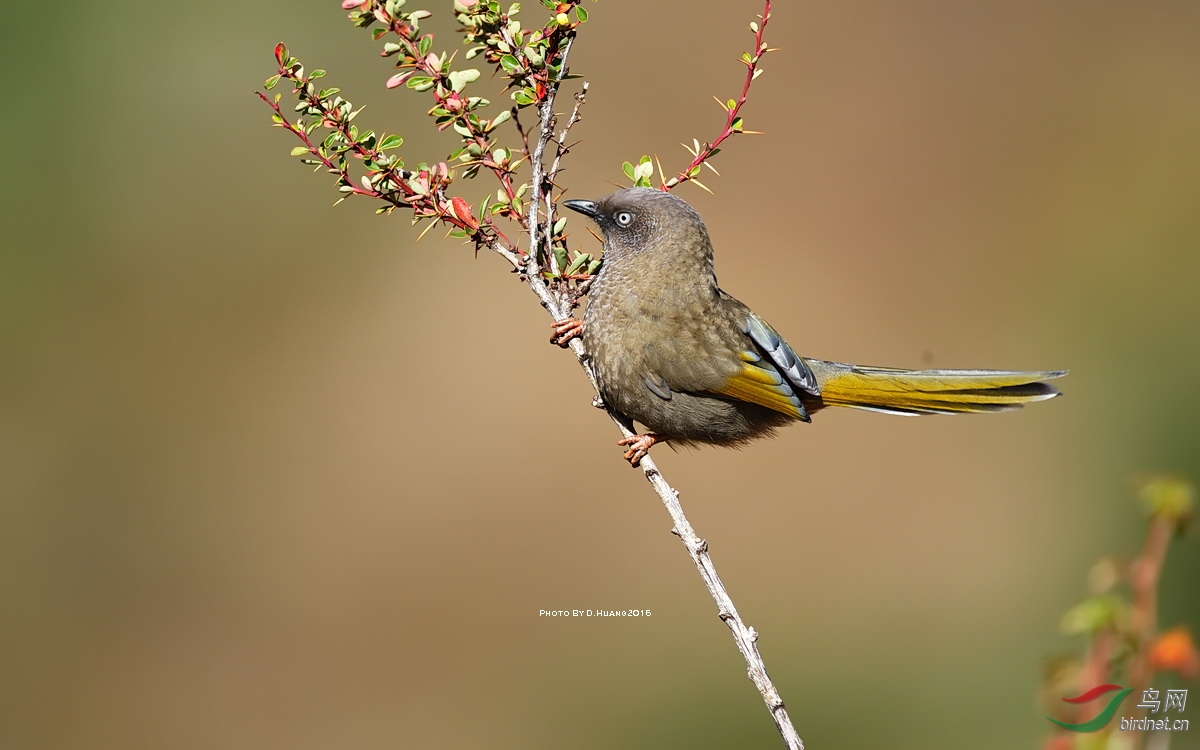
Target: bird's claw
[
  {"x": 639, "y": 446},
  {"x": 565, "y": 330}
]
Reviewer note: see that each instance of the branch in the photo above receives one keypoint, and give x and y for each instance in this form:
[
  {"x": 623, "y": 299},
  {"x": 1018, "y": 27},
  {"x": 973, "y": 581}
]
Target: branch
[
  {"x": 545, "y": 133},
  {"x": 560, "y": 150},
  {"x": 702, "y": 152},
  {"x": 745, "y": 637},
  {"x": 1169, "y": 503}
]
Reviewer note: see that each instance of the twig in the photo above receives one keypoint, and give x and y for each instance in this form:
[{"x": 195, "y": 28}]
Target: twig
[
  {"x": 545, "y": 134},
  {"x": 560, "y": 150},
  {"x": 703, "y": 152},
  {"x": 1144, "y": 573}
]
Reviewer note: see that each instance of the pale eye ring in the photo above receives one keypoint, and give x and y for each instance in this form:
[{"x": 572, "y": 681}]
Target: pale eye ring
[{"x": 624, "y": 218}]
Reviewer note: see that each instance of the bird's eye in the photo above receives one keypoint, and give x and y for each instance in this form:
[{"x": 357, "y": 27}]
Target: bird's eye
[{"x": 624, "y": 218}]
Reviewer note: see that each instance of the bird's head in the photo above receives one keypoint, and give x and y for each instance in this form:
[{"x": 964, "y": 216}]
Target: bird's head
[{"x": 644, "y": 220}]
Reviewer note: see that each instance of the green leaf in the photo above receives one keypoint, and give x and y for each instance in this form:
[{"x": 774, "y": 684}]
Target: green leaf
[
  {"x": 627, "y": 168},
  {"x": 270, "y": 83},
  {"x": 460, "y": 78},
  {"x": 509, "y": 63},
  {"x": 582, "y": 14},
  {"x": 298, "y": 150},
  {"x": 391, "y": 141},
  {"x": 576, "y": 264}
]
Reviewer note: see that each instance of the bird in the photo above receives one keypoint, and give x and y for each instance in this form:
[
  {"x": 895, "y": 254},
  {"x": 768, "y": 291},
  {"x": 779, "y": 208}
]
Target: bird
[{"x": 677, "y": 354}]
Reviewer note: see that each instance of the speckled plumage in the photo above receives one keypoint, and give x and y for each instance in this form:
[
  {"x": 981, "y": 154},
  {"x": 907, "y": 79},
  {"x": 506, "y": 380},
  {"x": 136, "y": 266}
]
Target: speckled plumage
[{"x": 691, "y": 363}]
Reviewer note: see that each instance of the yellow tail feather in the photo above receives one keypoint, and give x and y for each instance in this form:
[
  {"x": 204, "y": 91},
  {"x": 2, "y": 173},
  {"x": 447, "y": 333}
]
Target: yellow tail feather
[{"x": 913, "y": 392}]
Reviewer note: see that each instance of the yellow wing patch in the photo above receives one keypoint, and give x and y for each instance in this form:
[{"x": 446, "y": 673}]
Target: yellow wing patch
[{"x": 765, "y": 387}]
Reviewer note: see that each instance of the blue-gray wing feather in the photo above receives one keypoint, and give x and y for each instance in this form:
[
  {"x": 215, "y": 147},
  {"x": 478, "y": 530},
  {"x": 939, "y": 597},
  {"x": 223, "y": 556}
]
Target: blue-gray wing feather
[{"x": 795, "y": 369}]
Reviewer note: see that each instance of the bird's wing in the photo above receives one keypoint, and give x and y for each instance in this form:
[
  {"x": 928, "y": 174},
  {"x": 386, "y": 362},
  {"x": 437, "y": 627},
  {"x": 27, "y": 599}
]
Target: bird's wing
[
  {"x": 749, "y": 362},
  {"x": 758, "y": 381},
  {"x": 770, "y": 343},
  {"x": 770, "y": 374}
]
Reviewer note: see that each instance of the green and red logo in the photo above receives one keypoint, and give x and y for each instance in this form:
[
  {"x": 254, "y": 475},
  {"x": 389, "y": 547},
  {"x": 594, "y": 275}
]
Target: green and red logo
[{"x": 1104, "y": 716}]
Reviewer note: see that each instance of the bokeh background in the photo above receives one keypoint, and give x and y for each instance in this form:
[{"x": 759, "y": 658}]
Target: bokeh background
[{"x": 272, "y": 475}]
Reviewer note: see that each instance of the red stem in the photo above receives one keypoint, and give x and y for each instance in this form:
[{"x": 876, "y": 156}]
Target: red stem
[{"x": 708, "y": 148}]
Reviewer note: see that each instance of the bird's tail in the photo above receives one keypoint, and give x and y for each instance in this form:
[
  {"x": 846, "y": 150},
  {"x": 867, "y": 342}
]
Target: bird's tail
[{"x": 913, "y": 392}]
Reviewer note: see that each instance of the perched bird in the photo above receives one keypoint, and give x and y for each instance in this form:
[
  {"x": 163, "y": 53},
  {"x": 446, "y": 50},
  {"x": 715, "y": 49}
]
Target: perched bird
[{"x": 674, "y": 352}]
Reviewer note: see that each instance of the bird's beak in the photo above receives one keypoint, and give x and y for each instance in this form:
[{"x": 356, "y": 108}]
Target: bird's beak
[{"x": 588, "y": 208}]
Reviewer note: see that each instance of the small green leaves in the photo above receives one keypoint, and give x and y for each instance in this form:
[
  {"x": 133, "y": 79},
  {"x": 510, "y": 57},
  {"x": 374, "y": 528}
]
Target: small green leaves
[
  {"x": 528, "y": 58},
  {"x": 460, "y": 78},
  {"x": 580, "y": 261},
  {"x": 641, "y": 174}
]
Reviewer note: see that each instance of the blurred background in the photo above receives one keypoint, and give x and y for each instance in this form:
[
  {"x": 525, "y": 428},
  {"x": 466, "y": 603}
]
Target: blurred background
[{"x": 269, "y": 476}]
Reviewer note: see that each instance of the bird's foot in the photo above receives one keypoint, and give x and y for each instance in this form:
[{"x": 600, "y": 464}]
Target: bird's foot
[
  {"x": 639, "y": 446},
  {"x": 565, "y": 330}
]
